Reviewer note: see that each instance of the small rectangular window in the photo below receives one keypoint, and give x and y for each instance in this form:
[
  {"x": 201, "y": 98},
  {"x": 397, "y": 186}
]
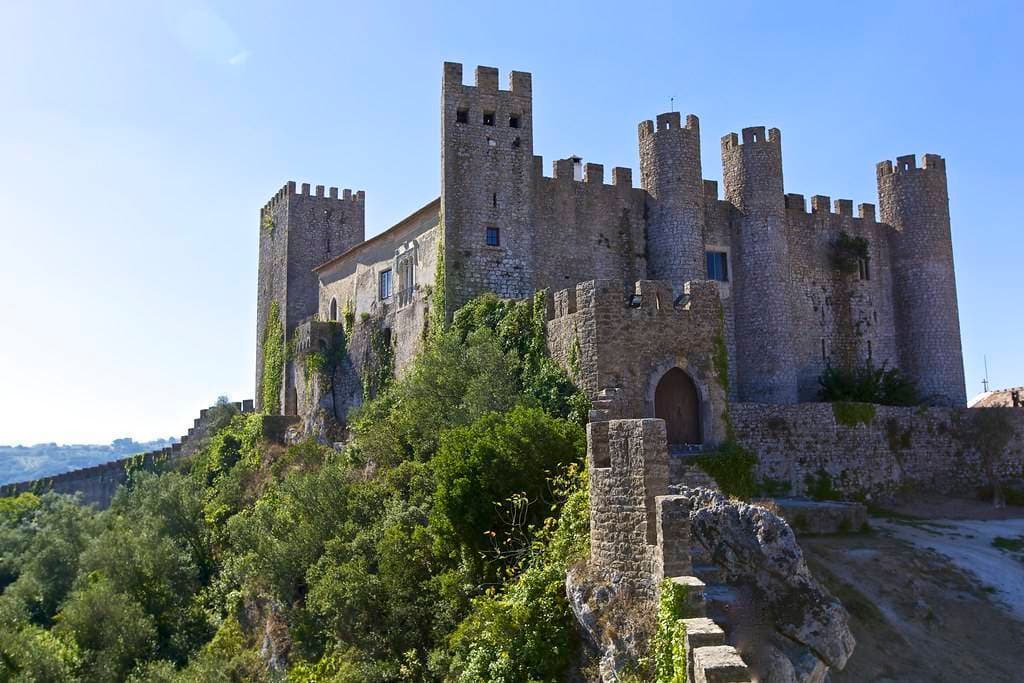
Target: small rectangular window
[
  {"x": 488, "y": 118},
  {"x": 384, "y": 288},
  {"x": 493, "y": 237},
  {"x": 718, "y": 266},
  {"x": 863, "y": 265},
  {"x": 513, "y": 121},
  {"x": 462, "y": 116}
]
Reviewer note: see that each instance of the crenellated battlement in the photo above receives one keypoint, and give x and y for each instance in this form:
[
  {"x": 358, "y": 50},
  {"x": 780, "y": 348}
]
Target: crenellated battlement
[
  {"x": 670, "y": 121},
  {"x": 291, "y": 189},
  {"x": 486, "y": 80},
  {"x": 823, "y": 204},
  {"x": 592, "y": 174},
  {"x": 651, "y": 296},
  {"x": 755, "y": 135},
  {"x": 907, "y": 164}
]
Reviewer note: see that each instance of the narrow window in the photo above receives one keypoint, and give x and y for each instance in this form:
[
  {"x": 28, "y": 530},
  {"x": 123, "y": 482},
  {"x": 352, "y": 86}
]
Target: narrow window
[
  {"x": 488, "y": 118},
  {"x": 863, "y": 266},
  {"x": 494, "y": 200},
  {"x": 875, "y": 315},
  {"x": 462, "y": 116},
  {"x": 384, "y": 288},
  {"x": 513, "y": 121},
  {"x": 493, "y": 237},
  {"x": 869, "y": 349},
  {"x": 824, "y": 355},
  {"x": 334, "y": 310},
  {"x": 718, "y": 266}
]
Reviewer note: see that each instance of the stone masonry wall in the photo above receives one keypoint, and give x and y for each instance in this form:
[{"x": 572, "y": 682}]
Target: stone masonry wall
[
  {"x": 586, "y": 229},
  {"x": 628, "y": 466},
  {"x": 925, "y": 449}
]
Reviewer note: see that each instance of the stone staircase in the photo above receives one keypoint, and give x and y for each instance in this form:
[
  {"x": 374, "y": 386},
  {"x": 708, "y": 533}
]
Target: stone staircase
[
  {"x": 684, "y": 470},
  {"x": 710, "y": 659}
]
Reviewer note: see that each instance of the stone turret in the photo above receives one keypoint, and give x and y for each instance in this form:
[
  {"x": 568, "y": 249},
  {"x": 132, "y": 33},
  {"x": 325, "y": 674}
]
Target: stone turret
[
  {"x": 300, "y": 229},
  {"x": 670, "y": 171},
  {"x": 752, "y": 172},
  {"x": 915, "y": 202}
]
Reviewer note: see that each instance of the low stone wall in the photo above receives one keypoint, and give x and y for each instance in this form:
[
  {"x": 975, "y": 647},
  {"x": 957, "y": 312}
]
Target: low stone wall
[
  {"x": 861, "y": 451},
  {"x": 97, "y": 485}
]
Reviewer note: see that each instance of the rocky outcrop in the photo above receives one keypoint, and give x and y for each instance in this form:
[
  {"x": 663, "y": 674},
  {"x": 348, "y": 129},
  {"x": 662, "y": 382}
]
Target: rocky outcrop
[
  {"x": 614, "y": 621},
  {"x": 754, "y": 547}
]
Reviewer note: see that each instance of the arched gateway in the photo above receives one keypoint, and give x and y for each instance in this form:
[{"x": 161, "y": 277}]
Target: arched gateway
[{"x": 677, "y": 403}]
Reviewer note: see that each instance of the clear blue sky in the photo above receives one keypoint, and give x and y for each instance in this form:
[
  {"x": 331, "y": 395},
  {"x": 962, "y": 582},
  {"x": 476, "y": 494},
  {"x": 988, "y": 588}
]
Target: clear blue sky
[{"x": 139, "y": 139}]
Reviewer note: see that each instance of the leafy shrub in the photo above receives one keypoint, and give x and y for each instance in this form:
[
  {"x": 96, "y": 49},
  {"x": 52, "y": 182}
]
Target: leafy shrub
[
  {"x": 868, "y": 384},
  {"x": 501, "y": 459},
  {"x": 732, "y": 468},
  {"x": 527, "y": 632}
]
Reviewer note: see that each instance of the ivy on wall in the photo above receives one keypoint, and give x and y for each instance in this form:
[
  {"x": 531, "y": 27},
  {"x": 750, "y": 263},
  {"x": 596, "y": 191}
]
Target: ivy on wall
[
  {"x": 438, "y": 316},
  {"x": 847, "y": 251},
  {"x": 273, "y": 361},
  {"x": 379, "y": 366},
  {"x": 669, "y": 646}
]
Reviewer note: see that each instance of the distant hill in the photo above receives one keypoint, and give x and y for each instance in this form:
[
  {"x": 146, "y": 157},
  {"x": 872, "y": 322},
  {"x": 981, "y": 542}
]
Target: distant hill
[{"x": 21, "y": 463}]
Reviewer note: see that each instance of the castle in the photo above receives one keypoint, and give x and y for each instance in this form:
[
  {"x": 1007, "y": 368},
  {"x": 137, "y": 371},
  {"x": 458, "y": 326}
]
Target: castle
[{"x": 799, "y": 290}]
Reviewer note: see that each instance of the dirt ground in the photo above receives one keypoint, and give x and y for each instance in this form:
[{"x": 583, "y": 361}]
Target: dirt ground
[{"x": 918, "y": 614}]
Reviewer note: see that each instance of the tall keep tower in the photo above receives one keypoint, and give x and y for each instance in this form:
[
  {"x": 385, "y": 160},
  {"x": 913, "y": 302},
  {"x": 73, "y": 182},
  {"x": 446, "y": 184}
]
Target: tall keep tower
[
  {"x": 752, "y": 173},
  {"x": 486, "y": 185},
  {"x": 915, "y": 202},
  {"x": 299, "y": 230},
  {"x": 670, "y": 172}
]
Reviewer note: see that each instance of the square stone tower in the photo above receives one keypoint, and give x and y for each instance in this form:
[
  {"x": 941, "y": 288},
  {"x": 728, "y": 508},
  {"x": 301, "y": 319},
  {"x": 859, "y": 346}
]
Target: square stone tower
[
  {"x": 299, "y": 230},
  {"x": 487, "y": 185}
]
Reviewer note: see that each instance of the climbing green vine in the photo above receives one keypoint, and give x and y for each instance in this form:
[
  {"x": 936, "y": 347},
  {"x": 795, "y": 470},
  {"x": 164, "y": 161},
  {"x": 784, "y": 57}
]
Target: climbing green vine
[
  {"x": 380, "y": 361},
  {"x": 669, "y": 646},
  {"x": 438, "y": 317},
  {"x": 273, "y": 361}
]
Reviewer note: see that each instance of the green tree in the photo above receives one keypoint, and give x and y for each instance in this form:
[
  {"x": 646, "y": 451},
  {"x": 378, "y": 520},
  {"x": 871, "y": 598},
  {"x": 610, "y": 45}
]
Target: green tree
[{"x": 112, "y": 632}]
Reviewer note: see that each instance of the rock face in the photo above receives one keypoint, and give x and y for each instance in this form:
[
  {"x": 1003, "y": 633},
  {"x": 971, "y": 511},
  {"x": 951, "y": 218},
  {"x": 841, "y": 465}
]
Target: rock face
[
  {"x": 614, "y": 620},
  {"x": 755, "y": 547}
]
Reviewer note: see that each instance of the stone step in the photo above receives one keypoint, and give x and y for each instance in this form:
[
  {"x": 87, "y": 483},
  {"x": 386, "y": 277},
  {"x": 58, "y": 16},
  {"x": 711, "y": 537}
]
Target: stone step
[
  {"x": 707, "y": 572},
  {"x": 719, "y": 664},
  {"x": 700, "y": 632},
  {"x": 696, "y": 603}
]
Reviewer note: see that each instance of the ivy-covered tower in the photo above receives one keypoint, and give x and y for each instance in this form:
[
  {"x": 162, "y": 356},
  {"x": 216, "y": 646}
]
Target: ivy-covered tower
[{"x": 299, "y": 230}]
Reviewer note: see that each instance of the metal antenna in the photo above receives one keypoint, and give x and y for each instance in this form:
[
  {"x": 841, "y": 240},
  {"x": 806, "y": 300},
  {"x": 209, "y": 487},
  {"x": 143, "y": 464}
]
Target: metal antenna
[
  {"x": 672, "y": 103},
  {"x": 984, "y": 382}
]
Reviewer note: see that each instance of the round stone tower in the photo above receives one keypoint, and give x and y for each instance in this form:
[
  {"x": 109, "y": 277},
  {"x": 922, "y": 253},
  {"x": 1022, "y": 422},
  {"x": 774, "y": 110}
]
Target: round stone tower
[
  {"x": 670, "y": 172},
  {"x": 752, "y": 174},
  {"x": 915, "y": 202}
]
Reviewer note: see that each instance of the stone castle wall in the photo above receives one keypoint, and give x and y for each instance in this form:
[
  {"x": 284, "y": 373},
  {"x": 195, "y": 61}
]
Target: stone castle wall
[
  {"x": 938, "y": 450},
  {"x": 97, "y": 485}
]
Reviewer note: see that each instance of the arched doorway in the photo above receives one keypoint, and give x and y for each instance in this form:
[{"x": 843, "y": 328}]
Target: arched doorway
[{"x": 677, "y": 403}]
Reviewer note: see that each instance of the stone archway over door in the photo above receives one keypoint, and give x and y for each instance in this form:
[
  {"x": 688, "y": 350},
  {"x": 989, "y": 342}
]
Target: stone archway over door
[{"x": 677, "y": 403}]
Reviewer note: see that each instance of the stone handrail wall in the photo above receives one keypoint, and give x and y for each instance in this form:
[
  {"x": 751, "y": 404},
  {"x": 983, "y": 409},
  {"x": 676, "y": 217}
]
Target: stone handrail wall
[{"x": 97, "y": 485}]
